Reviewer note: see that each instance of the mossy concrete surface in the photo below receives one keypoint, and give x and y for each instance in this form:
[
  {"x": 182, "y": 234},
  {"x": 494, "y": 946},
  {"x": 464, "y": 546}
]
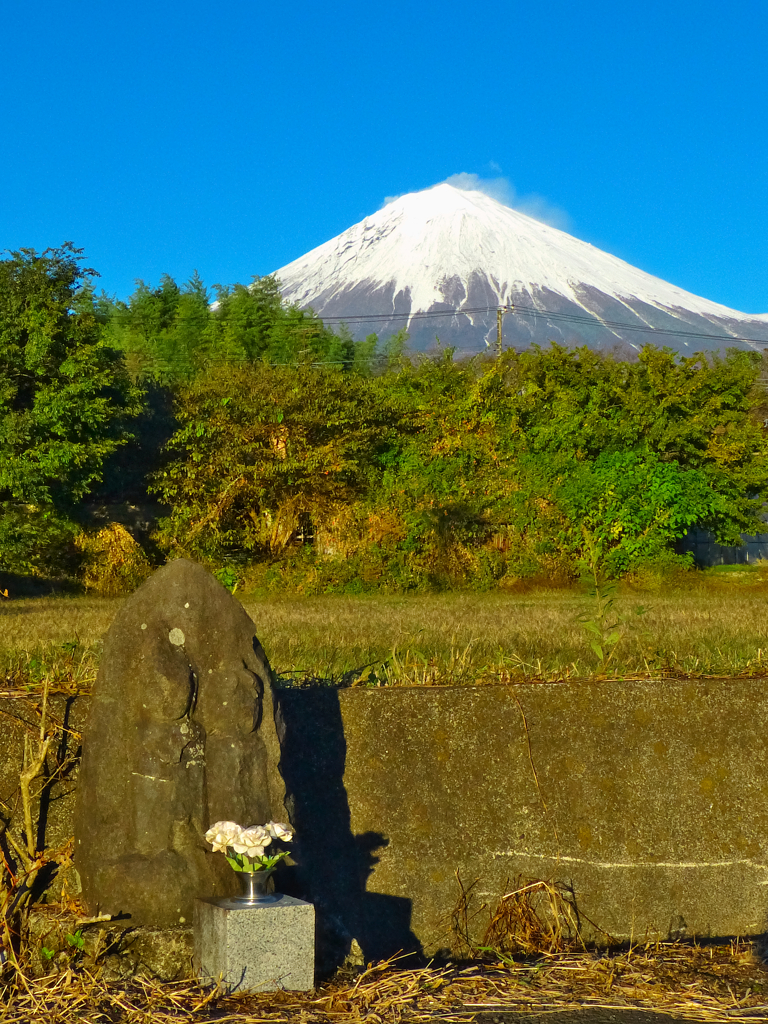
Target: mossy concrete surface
[{"x": 650, "y": 799}]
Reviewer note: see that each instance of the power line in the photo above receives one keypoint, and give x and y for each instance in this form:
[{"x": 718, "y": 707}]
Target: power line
[
  {"x": 580, "y": 319},
  {"x": 583, "y": 319}
]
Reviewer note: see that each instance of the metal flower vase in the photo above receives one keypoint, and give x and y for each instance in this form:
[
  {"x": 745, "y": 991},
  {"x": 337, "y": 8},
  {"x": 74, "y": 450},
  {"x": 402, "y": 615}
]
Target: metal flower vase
[{"x": 253, "y": 886}]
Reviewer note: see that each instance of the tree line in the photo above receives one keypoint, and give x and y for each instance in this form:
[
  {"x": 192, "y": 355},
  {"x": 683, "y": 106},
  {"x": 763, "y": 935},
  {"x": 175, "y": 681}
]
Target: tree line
[{"x": 285, "y": 455}]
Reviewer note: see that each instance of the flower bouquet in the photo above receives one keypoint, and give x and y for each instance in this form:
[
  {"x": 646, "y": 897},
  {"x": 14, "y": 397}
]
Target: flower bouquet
[{"x": 245, "y": 851}]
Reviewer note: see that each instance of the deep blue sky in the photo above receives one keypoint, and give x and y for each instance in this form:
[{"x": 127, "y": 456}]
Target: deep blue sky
[{"x": 232, "y": 137}]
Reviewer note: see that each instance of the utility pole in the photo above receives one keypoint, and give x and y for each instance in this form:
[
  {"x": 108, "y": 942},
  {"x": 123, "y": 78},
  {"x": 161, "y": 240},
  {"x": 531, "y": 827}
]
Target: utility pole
[{"x": 499, "y": 315}]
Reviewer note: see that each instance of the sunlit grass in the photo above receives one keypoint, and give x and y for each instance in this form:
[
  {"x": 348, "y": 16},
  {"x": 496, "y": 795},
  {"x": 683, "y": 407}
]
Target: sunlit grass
[
  {"x": 460, "y": 638},
  {"x": 714, "y": 624}
]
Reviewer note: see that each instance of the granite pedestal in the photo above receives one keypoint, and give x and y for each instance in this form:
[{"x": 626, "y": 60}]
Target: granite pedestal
[{"x": 257, "y": 948}]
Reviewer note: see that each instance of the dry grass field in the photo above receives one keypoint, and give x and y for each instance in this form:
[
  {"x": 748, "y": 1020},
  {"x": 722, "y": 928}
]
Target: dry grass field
[{"x": 715, "y": 624}]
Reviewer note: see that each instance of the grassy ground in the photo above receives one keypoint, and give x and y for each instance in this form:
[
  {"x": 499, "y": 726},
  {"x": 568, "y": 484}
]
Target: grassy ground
[{"x": 714, "y": 624}]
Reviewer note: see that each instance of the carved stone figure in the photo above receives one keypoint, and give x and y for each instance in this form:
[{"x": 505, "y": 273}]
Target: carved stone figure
[{"x": 181, "y": 734}]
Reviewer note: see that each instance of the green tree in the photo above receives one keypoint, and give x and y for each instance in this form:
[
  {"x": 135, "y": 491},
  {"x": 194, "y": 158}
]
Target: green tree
[
  {"x": 163, "y": 331},
  {"x": 264, "y": 452},
  {"x": 441, "y": 472},
  {"x": 549, "y": 460},
  {"x": 626, "y": 508},
  {"x": 252, "y": 323},
  {"x": 697, "y": 412},
  {"x": 65, "y": 399},
  {"x": 170, "y": 333}
]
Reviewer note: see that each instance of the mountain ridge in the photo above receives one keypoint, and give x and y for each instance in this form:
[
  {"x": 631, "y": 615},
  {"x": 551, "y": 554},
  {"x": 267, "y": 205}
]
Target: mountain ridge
[{"x": 446, "y": 250}]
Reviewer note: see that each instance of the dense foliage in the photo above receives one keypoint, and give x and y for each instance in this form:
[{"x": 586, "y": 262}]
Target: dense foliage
[
  {"x": 265, "y": 453},
  {"x": 289, "y": 455},
  {"x": 64, "y": 401},
  {"x": 170, "y": 333},
  {"x": 544, "y": 463}
]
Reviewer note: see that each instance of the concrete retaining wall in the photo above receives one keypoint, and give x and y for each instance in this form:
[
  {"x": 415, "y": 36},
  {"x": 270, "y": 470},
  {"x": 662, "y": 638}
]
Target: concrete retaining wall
[{"x": 649, "y": 798}]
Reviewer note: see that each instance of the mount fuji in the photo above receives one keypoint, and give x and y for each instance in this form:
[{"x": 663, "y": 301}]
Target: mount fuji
[{"x": 442, "y": 261}]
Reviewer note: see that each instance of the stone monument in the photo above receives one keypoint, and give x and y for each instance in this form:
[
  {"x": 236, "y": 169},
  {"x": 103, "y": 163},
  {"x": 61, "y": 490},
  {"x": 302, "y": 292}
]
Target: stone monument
[{"x": 181, "y": 733}]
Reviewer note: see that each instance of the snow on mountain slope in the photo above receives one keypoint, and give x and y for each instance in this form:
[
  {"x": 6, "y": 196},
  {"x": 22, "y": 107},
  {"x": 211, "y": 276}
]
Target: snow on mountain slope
[{"x": 447, "y": 249}]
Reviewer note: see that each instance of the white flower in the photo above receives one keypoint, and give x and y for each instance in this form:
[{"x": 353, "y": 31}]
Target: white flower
[
  {"x": 280, "y": 831},
  {"x": 252, "y": 841},
  {"x": 222, "y": 834}
]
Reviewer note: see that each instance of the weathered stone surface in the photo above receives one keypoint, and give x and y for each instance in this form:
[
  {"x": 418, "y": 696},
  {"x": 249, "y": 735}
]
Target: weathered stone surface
[
  {"x": 161, "y": 953},
  {"x": 113, "y": 952},
  {"x": 181, "y": 734},
  {"x": 256, "y": 949}
]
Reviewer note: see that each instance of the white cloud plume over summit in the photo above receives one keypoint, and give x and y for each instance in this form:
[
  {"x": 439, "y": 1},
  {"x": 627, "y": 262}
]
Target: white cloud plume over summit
[{"x": 503, "y": 191}]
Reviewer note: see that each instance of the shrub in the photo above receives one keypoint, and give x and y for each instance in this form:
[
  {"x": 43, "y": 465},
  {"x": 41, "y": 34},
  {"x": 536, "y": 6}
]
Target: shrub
[{"x": 112, "y": 561}]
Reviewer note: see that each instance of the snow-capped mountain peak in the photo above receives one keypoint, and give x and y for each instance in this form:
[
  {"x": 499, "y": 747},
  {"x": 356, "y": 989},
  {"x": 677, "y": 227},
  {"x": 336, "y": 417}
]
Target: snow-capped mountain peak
[{"x": 446, "y": 249}]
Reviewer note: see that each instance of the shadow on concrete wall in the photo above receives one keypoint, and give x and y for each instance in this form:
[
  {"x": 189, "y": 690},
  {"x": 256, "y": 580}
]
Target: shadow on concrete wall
[{"x": 333, "y": 864}]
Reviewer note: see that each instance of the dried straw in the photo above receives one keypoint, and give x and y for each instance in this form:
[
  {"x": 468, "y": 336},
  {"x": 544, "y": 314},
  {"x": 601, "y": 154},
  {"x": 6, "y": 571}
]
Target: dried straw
[{"x": 694, "y": 982}]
